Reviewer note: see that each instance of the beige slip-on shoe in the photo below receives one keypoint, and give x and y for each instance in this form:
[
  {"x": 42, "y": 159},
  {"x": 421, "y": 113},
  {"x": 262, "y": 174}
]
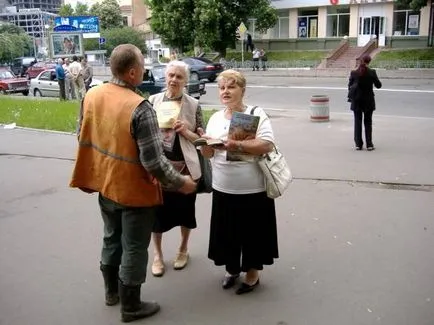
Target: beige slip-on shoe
[
  {"x": 158, "y": 268},
  {"x": 180, "y": 261}
]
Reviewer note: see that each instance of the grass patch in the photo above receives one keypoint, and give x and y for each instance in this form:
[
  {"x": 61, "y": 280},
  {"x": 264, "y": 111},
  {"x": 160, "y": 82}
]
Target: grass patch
[
  {"x": 405, "y": 55},
  {"x": 47, "y": 114},
  {"x": 40, "y": 114},
  {"x": 281, "y": 55}
]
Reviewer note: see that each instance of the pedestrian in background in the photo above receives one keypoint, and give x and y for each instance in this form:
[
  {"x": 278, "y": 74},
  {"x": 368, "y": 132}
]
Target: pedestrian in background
[
  {"x": 122, "y": 159},
  {"x": 60, "y": 75},
  {"x": 87, "y": 73},
  {"x": 361, "y": 95},
  {"x": 249, "y": 42},
  {"x": 263, "y": 58},
  {"x": 76, "y": 71},
  {"x": 69, "y": 86},
  {"x": 255, "y": 57}
]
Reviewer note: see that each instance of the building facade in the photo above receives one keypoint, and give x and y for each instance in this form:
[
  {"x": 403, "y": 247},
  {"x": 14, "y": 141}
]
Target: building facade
[
  {"x": 321, "y": 24},
  {"x": 52, "y": 6}
]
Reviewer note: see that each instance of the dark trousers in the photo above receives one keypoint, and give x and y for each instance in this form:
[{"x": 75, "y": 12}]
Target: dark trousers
[
  {"x": 366, "y": 117},
  {"x": 249, "y": 46},
  {"x": 255, "y": 64},
  {"x": 87, "y": 84},
  {"x": 127, "y": 234},
  {"x": 62, "y": 89}
]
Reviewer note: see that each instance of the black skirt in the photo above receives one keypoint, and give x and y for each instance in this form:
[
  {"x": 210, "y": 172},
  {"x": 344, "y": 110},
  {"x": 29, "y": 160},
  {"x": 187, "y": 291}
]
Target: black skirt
[
  {"x": 243, "y": 232},
  {"x": 177, "y": 210}
]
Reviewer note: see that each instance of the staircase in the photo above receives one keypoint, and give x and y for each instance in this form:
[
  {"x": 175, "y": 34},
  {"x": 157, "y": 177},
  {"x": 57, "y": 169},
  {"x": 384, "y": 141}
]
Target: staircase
[{"x": 346, "y": 59}]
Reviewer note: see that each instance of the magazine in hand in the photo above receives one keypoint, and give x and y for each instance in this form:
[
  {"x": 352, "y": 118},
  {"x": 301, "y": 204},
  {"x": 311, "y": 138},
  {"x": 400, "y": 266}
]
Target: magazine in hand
[
  {"x": 215, "y": 143},
  {"x": 243, "y": 127}
]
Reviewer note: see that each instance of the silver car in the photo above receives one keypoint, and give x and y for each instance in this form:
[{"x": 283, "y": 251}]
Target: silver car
[{"x": 46, "y": 85}]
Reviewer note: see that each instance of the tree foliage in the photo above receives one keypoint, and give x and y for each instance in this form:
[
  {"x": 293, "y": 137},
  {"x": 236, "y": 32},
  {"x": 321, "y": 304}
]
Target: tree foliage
[
  {"x": 81, "y": 9},
  {"x": 207, "y": 23},
  {"x": 122, "y": 35},
  {"x": 413, "y": 4},
  {"x": 66, "y": 10},
  {"x": 14, "y": 42},
  {"x": 110, "y": 15}
]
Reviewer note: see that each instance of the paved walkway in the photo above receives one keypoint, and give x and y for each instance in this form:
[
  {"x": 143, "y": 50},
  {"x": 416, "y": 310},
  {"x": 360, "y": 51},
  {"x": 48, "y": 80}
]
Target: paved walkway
[{"x": 352, "y": 250}]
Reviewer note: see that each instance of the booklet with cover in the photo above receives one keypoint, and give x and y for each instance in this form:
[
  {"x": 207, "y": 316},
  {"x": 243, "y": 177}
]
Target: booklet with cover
[
  {"x": 208, "y": 142},
  {"x": 243, "y": 127}
]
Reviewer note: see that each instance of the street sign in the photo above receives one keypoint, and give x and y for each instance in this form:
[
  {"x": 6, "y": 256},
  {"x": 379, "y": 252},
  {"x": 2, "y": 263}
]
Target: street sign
[
  {"x": 101, "y": 40},
  {"x": 242, "y": 28}
]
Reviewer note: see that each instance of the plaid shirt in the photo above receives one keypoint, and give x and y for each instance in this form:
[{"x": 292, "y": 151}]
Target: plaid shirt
[{"x": 145, "y": 130}]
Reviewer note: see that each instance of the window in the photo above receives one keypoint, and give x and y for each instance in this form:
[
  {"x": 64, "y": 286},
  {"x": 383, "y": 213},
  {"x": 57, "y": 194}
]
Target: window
[
  {"x": 45, "y": 76},
  {"x": 307, "y": 23},
  {"x": 125, "y": 20},
  {"x": 338, "y": 21},
  {"x": 406, "y": 22}
]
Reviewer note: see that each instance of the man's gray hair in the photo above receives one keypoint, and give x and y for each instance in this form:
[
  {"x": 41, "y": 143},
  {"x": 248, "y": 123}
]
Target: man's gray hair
[
  {"x": 181, "y": 66},
  {"x": 60, "y": 60}
]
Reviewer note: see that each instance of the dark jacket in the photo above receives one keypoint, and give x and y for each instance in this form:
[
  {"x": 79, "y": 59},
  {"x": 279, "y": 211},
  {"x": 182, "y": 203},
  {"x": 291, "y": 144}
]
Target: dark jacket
[{"x": 364, "y": 99}]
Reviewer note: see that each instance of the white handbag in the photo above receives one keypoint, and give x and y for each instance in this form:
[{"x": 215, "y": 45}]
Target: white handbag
[{"x": 276, "y": 171}]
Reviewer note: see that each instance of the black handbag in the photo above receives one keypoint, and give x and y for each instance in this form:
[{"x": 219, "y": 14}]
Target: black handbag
[{"x": 204, "y": 184}]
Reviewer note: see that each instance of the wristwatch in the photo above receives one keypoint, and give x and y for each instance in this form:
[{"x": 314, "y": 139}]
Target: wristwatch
[{"x": 240, "y": 146}]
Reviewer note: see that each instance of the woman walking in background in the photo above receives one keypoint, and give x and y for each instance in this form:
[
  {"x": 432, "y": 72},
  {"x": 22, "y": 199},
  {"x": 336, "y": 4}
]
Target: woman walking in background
[{"x": 362, "y": 98}]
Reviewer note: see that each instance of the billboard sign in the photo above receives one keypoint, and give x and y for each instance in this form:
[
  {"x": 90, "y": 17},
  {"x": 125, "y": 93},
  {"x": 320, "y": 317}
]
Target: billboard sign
[
  {"x": 83, "y": 24},
  {"x": 64, "y": 45}
]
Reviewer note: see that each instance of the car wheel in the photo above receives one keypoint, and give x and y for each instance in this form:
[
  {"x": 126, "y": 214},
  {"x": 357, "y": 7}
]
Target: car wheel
[
  {"x": 25, "y": 93},
  {"x": 212, "y": 79},
  {"x": 37, "y": 93}
]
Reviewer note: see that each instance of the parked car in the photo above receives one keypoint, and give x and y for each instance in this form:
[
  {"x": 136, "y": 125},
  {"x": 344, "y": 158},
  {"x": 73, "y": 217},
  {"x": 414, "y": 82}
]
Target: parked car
[
  {"x": 34, "y": 70},
  {"x": 10, "y": 83},
  {"x": 46, "y": 85},
  {"x": 203, "y": 68},
  {"x": 154, "y": 82},
  {"x": 20, "y": 65}
]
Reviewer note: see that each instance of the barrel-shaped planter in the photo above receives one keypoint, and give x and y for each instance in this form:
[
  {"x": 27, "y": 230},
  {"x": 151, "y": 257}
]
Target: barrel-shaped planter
[{"x": 319, "y": 108}]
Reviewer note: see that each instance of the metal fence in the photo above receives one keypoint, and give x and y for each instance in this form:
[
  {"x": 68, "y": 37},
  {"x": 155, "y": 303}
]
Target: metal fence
[
  {"x": 403, "y": 64},
  {"x": 248, "y": 64}
]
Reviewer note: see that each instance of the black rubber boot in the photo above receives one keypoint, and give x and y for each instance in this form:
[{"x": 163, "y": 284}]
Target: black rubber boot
[
  {"x": 110, "y": 275},
  {"x": 131, "y": 306}
]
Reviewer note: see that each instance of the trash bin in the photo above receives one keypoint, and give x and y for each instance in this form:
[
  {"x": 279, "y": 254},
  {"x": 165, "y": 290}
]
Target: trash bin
[{"x": 319, "y": 108}]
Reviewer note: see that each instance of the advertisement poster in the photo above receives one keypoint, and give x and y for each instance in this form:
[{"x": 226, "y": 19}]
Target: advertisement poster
[
  {"x": 413, "y": 21},
  {"x": 302, "y": 27},
  {"x": 313, "y": 26},
  {"x": 64, "y": 45}
]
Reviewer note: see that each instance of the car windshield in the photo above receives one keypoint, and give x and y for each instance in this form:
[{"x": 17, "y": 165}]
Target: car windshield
[
  {"x": 6, "y": 75},
  {"x": 159, "y": 73}
]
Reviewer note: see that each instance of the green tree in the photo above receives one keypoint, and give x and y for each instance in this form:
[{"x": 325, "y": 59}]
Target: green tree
[
  {"x": 81, "y": 9},
  {"x": 109, "y": 14},
  {"x": 173, "y": 24},
  {"x": 210, "y": 23},
  {"x": 122, "y": 35},
  {"x": 95, "y": 9},
  {"x": 66, "y": 10},
  {"x": 14, "y": 42},
  {"x": 413, "y": 4}
]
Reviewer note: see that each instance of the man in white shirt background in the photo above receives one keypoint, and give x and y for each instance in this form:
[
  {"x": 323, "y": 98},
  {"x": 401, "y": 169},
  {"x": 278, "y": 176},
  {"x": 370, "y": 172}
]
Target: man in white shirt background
[{"x": 75, "y": 69}]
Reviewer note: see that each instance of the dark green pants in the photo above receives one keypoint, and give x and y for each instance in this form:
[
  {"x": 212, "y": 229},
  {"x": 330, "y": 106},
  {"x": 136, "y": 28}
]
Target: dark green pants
[{"x": 127, "y": 233}]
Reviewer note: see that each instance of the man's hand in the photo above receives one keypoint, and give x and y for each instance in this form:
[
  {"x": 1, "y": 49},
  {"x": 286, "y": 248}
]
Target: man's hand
[
  {"x": 181, "y": 126},
  {"x": 189, "y": 185}
]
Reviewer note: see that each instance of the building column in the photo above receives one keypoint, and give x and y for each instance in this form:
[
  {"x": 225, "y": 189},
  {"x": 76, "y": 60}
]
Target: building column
[{"x": 322, "y": 22}]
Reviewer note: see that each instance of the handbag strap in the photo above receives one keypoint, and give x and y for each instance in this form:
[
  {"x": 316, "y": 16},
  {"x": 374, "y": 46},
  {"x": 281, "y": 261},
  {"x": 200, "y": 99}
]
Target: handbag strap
[{"x": 252, "y": 112}]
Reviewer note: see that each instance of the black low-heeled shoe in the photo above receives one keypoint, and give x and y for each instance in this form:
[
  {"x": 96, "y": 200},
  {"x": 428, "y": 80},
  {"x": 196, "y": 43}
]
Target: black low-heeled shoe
[
  {"x": 245, "y": 288},
  {"x": 229, "y": 281}
]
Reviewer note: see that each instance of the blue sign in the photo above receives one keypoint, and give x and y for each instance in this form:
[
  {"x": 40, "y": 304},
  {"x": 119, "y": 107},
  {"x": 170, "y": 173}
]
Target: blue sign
[
  {"x": 101, "y": 40},
  {"x": 84, "y": 24}
]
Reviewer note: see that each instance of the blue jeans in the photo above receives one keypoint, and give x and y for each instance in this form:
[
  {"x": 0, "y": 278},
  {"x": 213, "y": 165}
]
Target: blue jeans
[{"x": 127, "y": 234}]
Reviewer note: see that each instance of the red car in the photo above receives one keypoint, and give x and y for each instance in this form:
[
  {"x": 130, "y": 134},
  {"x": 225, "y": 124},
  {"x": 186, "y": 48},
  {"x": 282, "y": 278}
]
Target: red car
[
  {"x": 9, "y": 83},
  {"x": 34, "y": 70}
]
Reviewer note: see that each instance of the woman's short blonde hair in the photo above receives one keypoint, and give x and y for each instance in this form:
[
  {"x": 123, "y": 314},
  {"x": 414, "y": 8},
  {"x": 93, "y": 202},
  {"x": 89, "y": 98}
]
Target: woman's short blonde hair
[
  {"x": 181, "y": 66},
  {"x": 234, "y": 75}
]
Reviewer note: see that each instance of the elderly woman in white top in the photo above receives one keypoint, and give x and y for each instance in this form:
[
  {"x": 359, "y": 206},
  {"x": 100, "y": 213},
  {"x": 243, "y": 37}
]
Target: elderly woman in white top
[{"x": 243, "y": 232}]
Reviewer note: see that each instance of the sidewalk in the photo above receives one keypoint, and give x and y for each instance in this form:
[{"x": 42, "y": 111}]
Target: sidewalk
[{"x": 352, "y": 251}]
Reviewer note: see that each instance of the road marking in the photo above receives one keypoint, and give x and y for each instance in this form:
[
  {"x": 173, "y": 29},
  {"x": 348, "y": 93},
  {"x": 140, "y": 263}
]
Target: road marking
[
  {"x": 289, "y": 110},
  {"x": 332, "y": 88}
]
